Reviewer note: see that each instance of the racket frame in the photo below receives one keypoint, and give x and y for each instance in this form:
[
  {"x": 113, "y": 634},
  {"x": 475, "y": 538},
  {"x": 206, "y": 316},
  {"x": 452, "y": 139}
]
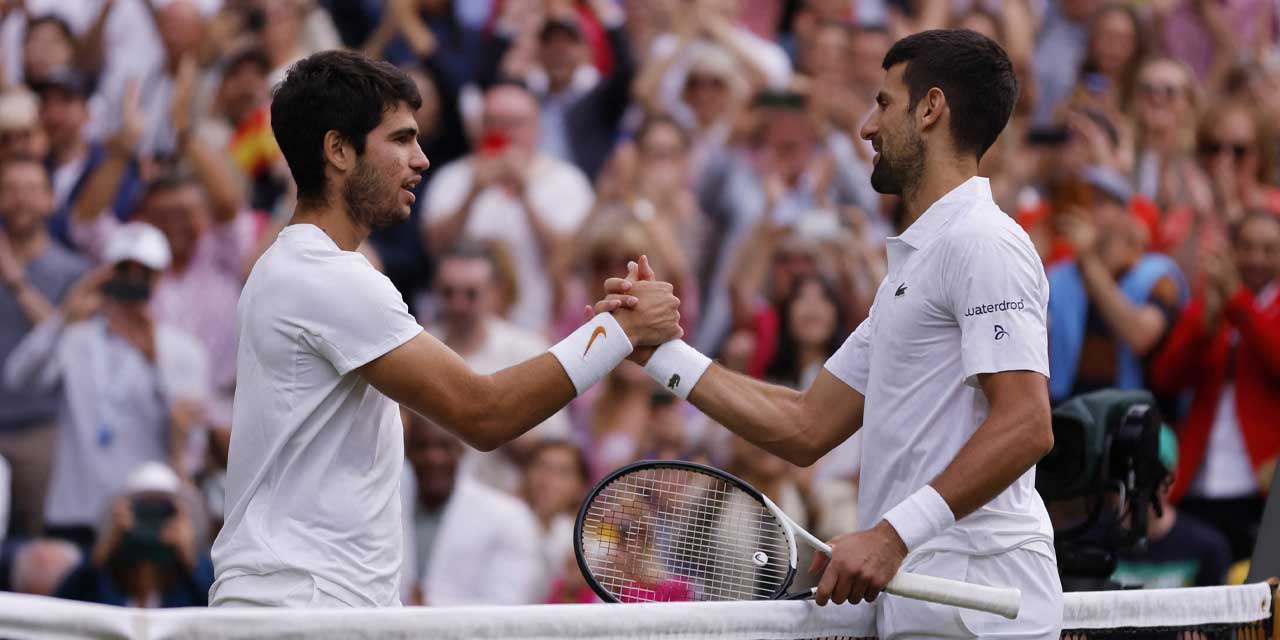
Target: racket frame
[{"x": 788, "y": 526}]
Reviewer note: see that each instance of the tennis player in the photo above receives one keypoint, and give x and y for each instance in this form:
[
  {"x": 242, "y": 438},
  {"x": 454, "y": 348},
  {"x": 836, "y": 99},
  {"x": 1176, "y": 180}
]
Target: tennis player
[
  {"x": 947, "y": 378},
  {"x": 327, "y": 349}
]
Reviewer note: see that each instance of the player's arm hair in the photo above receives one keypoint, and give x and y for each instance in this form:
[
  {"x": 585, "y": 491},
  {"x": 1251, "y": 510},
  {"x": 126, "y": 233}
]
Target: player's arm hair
[
  {"x": 485, "y": 411},
  {"x": 798, "y": 426},
  {"x": 1018, "y": 432}
]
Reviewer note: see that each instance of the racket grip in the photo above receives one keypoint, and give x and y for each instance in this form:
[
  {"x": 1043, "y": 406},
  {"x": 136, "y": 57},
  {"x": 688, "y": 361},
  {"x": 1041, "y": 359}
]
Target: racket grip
[{"x": 1000, "y": 601}]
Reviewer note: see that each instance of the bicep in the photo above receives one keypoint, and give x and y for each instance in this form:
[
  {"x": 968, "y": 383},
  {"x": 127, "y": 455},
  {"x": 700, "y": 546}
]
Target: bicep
[
  {"x": 427, "y": 377},
  {"x": 1021, "y": 396},
  {"x": 832, "y": 410}
]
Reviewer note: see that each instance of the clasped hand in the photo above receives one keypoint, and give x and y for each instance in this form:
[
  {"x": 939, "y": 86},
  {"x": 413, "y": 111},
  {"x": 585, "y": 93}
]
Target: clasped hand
[{"x": 647, "y": 309}]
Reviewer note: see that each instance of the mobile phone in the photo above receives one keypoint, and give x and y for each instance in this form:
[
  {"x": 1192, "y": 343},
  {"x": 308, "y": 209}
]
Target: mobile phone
[
  {"x": 493, "y": 142},
  {"x": 1047, "y": 137}
]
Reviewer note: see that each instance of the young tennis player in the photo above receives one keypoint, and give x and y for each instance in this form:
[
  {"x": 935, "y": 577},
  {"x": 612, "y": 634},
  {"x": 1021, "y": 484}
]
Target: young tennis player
[
  {"x": 947, "y": 378},
  {"x": 327, "y": 349}
]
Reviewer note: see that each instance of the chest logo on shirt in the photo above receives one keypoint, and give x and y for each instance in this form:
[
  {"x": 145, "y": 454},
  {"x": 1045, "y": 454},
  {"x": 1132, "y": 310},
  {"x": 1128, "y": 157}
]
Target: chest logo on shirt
[
  {"x": 599, "y": 332},
  {"x": 902, "y": 290},
  {"x": 1000, "y": 332}
]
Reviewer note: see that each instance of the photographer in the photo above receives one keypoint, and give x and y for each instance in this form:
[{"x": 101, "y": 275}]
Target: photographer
[
  {"x": 148, "y": 555},
  {"x": 130, "y": 389}
]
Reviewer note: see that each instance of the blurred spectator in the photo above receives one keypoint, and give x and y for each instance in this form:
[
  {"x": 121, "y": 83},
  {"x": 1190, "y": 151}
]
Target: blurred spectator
[
  {"x": 1181, "y": 551},
  {"x": 414, "y": 30},
  {"x": 467, "y": 322},
  {"x": 661, "y": 178},
  {"x": 1117, "y": 46},
  {"x": 618, "y": 419},
  {"x": 580, "y": 107},
  {"x": 73, "y": 159},
  {"x": 1164, "y": 105},
  {"x": 465, "y": 544},
  {"x": 555, "y": 483},
  {"x": 40, "y": 566},
  {"x": 20, "y": 132},
  {"x": 1238, "y": 155},
  {"x": 1226, "y": 349},
  {"x": 511, "y": 192},
  {"x": 36, "y": 272},
  {"x": 1210, "y": 36},
  {"x": 788, "y": 173},
  {"x": 130, "y": 389},
  {"x": 1061, "y": 47},
  {"x": 1111, "y": 305},
  {"x": 150, "y": 553},
  {"x": 48, "y": 46},
  {"x": 811, "y": 327}
]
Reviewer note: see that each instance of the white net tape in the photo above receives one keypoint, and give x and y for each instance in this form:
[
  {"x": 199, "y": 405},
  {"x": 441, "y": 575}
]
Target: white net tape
[{"x": 23, "y": 617}]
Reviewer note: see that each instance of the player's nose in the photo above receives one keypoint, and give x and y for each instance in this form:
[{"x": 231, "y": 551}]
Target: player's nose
[{"x": 419, "y": 162}]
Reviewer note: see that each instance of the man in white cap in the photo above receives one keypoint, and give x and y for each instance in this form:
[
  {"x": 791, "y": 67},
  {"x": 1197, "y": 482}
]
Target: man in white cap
[{"x": 126, "y": 383}]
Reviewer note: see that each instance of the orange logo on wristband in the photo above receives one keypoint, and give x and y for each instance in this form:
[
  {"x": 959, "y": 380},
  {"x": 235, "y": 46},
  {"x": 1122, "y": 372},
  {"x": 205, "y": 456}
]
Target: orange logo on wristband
[{"x": 594, "y": 334}]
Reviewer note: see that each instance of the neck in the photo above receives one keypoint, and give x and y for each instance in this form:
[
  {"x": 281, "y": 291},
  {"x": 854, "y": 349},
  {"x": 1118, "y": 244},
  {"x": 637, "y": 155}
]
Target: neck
[
  {"x": 334, "y": 221},
  {"x": 63, "y": 154},
  {"x": 935, "y": 182},
  {"x": 466, "y": 338},
  {"x": 30, "y": 245}
]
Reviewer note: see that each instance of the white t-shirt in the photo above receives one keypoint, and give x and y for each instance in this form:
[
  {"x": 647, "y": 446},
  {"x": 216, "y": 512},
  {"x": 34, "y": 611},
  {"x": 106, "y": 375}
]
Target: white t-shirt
[
  {"x": 561, "y": 196},
  {"x": 313, "y": 473},
  {"x": 965, "y": 294},
  {"x": 505, "y": 345}
]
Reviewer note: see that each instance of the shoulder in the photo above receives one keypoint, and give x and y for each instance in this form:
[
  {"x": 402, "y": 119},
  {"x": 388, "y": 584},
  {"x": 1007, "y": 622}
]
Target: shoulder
[
  {"x": 986, "y": 232},
  {"x": 560, "y": 174}
]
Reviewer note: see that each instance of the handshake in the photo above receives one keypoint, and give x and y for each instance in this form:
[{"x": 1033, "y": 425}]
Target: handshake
[{"x": 646, "y": 309}]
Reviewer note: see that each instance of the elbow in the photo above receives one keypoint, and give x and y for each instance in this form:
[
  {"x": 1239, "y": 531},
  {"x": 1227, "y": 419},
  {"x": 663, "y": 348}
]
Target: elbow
[{"x": 1041, "y": 440}]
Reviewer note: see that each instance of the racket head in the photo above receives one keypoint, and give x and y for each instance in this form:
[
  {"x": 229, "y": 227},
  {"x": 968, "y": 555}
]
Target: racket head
[{"x": 668, "y": 531}]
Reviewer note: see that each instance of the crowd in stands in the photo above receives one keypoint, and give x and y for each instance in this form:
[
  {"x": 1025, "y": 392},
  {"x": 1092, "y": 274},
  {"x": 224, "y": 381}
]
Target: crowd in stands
[{"x": 139, "y": 181}]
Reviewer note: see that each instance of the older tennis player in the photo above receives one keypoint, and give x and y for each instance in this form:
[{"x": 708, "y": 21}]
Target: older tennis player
[
  {"x": 947, "y": 376},
  {"x": 327, "y": 349}
]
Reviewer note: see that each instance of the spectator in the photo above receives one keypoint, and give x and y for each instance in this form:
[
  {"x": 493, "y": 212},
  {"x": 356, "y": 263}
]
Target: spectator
[
  {"x": 37, "y": 273},
  {"x": 812, "y": 326},
  {"x": 129, "y": 388},
  {"x": 1236, "y": 154},
  {"x": 414, "y": 30},
  {"x": 509, "y": 191},
  {"x": 150, "y": 554},
  {"x": 467, "y": 544},
  {"x": 580, "y": 108},
  {"x": 1111, "y": 305},
  {"x": 661, "y": 178},
  {"x": 1181, "y": 551},
  {"x": 48, "y": 46},
  {"x": 468, "y": 323},
  {"x": 1061, "y": 47},
  {"x": 1117, "y": 46},
  {"x": 20, "y": 132},
  {"x": 40, "y": 566},
  {"x": 73, "y": 158},
  {"x": 1226, "y": 349},
  {"x": 1164, "y": 107},
  {"x": 555, "y": 483},
  {"x": 239, "y": 125}
]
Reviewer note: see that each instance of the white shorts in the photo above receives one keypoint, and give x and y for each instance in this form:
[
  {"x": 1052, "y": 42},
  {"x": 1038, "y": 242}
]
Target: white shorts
[{"x": 1036, "y": 574}]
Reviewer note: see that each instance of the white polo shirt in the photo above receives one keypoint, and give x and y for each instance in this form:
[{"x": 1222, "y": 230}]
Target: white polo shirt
[{"x": 965, "y": 294}]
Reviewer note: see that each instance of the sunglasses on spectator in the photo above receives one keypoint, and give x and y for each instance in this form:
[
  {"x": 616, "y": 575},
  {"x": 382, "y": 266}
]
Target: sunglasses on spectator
[
  {"x": 1214, "y": 149},
  {"x": 1162, "y": 92},
  {"x": 470, "y": 293},
  {"x": 697, "y": 81}
]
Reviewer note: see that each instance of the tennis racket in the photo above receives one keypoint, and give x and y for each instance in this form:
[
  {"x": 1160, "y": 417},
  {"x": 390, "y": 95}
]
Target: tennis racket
[{"x": 666, "y": 531}]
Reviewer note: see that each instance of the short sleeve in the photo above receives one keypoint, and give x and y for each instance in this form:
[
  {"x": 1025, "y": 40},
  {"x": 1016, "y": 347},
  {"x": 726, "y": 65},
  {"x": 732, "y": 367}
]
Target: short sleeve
[
  {"x": 851, "y": 363},
  {"x": 999, "y": 295},
  {"x": 351, "y": 314}
]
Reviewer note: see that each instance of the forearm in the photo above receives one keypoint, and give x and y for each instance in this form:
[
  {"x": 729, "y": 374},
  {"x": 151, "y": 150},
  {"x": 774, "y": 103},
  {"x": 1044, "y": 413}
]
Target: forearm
[
  {"x": 226, "y": 198},
  {"x": 998, "y": 453},
  {"x": 443, "y": 234},
  {"x": 769, "y": 416},
  {"x": 101, "y": 187},
  {"x": 34, "y": 305},
  {"x": 1138, "y": 326}
]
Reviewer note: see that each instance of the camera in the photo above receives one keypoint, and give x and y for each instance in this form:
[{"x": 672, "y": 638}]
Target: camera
[{"x": 1099, "y": 481}]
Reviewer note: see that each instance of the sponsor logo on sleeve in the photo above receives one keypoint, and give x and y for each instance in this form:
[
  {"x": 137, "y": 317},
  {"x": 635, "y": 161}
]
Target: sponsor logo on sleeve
[{"x": 1003, "y": 305}]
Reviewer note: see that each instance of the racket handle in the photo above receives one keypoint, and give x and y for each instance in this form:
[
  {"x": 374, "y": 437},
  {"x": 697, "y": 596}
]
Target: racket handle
[{"x": 1000, "y": 601}]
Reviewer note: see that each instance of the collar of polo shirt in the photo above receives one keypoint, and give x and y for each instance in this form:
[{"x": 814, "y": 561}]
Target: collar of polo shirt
[{"x": 931, "y": 223}]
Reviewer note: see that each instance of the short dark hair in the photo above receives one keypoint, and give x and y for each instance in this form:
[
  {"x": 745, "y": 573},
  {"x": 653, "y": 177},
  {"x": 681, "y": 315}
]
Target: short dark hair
[
  {"x": 252, "y": 56},
  {"x": 972, "y": 71},
  {"x": 338, "y": 91}
]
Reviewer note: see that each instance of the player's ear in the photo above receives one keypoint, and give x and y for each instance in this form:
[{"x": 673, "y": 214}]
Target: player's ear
[
  {"x": 338, "y": 151},
  {"x": 931, "y": 107}
]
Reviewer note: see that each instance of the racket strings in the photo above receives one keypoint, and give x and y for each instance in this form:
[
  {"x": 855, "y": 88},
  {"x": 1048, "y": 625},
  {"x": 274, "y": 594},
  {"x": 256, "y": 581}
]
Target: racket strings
[{"x": 666, "y": 534}]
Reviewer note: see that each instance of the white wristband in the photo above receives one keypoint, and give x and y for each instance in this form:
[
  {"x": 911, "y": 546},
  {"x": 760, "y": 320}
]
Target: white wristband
[
  {"x": 677, "y": 366},
  {"x": 920, "y": 517},
  {"x": 592, "y": 351}
]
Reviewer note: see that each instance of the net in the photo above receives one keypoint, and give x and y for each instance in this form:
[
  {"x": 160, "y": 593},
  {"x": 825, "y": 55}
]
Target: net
[
  {"x": 1240, "y": 613},
  {"x": 677, "y": 534}
]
